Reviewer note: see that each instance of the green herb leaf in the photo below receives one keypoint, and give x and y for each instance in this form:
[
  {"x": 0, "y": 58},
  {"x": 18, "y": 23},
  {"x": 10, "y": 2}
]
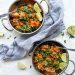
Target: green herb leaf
[
  {"x": 27, "y": 10},
  {"x": 56, "y": 67},
  {"x": 33, "y": 28},
  {"x": 70, "y": 36},
  {"x": 30, "y": 66},
  {"x": 19, "y": 10},
  {"x": 62, "y": 33},
  {"x": 47, "y": 64},
  {"x": 46, "y": 54},
  {"x": 25, "y": 28},
  {"x": 40, "y": 60},
  {"x": 64, "y": 41},
  {"x": 22, "y": 18}
]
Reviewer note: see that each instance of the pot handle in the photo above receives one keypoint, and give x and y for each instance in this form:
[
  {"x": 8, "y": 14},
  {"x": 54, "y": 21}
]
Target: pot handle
[
  {"x": 73, "y": 69},
  {"x": 64, "y": 71},
  {"x": 3, "y": 15},
  {"x": 47, "y": 4},
  {"x": 7, "y": 28}
]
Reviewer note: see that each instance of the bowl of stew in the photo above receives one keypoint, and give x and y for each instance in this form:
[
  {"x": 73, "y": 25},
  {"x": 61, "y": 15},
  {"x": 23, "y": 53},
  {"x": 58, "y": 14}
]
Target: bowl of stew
[
  {"x": 49, "y": 59},
  {"x": 26, "y": 16}
]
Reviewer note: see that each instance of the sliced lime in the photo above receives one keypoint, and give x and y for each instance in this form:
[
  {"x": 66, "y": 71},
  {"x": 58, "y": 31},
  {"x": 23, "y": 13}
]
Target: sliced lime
[
  {"x": 1, "y": 34},
  {"x": 62, "y": 65},
  {"x": 21, "y": 66},
  {"x": 39, "y": 16},
  {"x": 71, "y": 30},
  {"x": 37, "y": 8},
  {"x": 63, "y": 57}
]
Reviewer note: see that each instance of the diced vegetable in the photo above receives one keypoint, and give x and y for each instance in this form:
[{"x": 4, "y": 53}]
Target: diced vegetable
[
  {"x": 21, "y": 66},
  {"x": 37, "y": 8},
  {"x": 21, "y": 23},
  {"x": 40, "y": 66},
  {"x": 39, "y": 16},
  {"x": 15, "y": 14},
  {"x": 62, "y": 65},
  {"x": 29, "y": 5},
  {"x": 64, "y": 57},
  {"x": 34, "y": 23},
  {"x": 17, "y": 27},
  {"x": 40, "y": 56},
  {"x": 56, "y": 49}
]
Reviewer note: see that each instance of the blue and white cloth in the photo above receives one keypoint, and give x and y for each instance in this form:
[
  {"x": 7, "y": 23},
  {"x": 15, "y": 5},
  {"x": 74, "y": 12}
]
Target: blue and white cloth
[{"x": 22, "y": 45}]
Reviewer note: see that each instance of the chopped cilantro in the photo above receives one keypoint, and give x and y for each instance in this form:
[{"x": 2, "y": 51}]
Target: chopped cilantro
[
  {"x": 62, "y": 33},
  {"x": 22, "y": 18},
  {"x": 64, "y": 41},
  {"x": 30, "y": 66}
]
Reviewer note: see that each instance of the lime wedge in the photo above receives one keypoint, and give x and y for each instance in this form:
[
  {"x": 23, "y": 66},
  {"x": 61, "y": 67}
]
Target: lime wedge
[
  {"x": 1, "y": 34},
  {"x": 63, "y": 57},
  {"x": 71, "y": 30},
  {"x": 39, "y": 16},
  {"x": 21, "y": 66},
  {"x": 62, "y": 65},
  {"x": 37, "y": 8}
]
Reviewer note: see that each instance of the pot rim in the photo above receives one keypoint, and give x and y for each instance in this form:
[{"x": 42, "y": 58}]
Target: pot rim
[
  {"x": 29, "y": 32},
  {"x": 55, "y": 42}
]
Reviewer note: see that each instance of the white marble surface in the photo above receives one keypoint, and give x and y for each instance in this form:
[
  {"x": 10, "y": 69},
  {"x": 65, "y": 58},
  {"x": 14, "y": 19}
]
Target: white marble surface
[{"x": 7, "y": 68}]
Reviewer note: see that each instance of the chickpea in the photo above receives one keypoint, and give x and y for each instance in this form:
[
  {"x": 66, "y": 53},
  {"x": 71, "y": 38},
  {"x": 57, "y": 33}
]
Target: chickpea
[
  {"x": 40, "y": 67},
  {"x": 15, "y": 14},
  {"x": 50, "y": 69}
]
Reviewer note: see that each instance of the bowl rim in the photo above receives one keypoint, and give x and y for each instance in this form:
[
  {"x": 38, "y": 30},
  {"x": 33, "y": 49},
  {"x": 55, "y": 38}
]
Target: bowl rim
[
  {"x": 54, "y": 42},
  {"x": 29, "y": 32}
]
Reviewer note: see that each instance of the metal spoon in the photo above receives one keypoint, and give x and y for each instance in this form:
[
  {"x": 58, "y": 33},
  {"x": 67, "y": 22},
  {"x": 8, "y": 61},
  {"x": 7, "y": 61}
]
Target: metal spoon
[
  {"x": 49, "y": 7},
  {"x": 67, "y": 48}
]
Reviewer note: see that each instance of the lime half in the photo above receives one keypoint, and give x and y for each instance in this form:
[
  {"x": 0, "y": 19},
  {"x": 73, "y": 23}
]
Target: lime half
[
  {"x": 39, "y": 16},
  {"x": 21, "y": 66},
  {"x": 1, "y": 34},
  {"x": 62, "y": 65},
  {"x": 37, "y": 8},
  {"x": 64, "y": 57},
  {"x": 71, "y": 30}
]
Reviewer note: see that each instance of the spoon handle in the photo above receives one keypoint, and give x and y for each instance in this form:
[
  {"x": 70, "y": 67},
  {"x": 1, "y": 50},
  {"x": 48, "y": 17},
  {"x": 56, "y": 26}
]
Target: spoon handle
[{"x": 67, "y": 49}]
